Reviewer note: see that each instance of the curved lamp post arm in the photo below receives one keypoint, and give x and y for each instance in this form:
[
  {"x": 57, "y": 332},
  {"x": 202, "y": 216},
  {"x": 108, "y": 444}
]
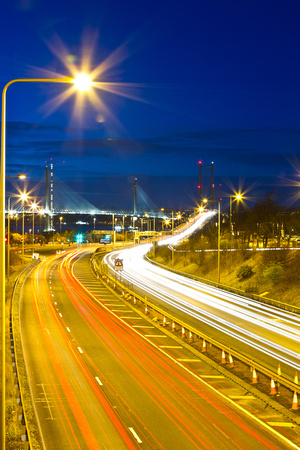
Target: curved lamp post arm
[{"x": 68, "y": 80}]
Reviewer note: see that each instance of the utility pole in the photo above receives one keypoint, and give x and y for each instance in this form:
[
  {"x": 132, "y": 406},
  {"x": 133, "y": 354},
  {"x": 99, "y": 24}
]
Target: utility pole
[{"x": 49, "y": 194}]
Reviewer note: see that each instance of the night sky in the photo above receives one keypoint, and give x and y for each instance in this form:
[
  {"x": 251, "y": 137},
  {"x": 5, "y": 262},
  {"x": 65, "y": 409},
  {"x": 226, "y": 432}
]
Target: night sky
[{"x": 182, "y": 82}]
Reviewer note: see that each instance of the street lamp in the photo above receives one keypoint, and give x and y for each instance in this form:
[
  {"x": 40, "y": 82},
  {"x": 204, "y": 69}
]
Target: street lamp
[
  {"x": 16, "y": 176},
  {"x": 23, "y": 198},
  {"x": 8, "y": 232},
  {"x": 236, "y": 197},
  {"x": 178, "y": 216},
  {"x": 219, "y": 231},
  {"x": 82, "y": 83},
  {"x": 33, "y": 207},
  {"x": 60, "y": 219}
]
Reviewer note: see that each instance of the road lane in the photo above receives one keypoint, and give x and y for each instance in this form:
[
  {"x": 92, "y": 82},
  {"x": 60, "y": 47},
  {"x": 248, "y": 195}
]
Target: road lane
[{"x": 103, "y": 382}]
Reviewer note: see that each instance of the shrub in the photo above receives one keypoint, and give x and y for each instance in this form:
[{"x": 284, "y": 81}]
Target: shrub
[
  {"x": 273, "y": 272},
  {"x": 245, "y": 271}
]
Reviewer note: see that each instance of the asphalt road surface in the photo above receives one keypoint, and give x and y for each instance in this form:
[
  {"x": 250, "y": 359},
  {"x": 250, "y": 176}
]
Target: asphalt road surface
[{"x": 103, "y": 377}]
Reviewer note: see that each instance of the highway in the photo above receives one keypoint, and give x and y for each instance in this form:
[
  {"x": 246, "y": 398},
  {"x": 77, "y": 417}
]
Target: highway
[
  {"x": 267, "y": 334},
  {"x": 102, "y": 376}
]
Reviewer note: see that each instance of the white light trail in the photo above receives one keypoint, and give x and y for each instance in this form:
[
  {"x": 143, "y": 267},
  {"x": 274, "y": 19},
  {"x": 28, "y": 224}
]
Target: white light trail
[{"x": 268, "y": 329}]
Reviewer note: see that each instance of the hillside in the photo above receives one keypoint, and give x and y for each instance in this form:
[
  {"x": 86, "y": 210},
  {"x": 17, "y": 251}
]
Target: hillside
[{"x": 270, "y": 273}]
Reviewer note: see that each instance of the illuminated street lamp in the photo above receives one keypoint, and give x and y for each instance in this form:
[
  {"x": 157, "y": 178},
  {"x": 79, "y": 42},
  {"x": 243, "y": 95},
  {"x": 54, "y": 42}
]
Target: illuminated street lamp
[
  {"x": 33, "y": 207},
  {"x": 8, "y": 232},
  {"x": 60, "y": 219},
  {"x": 16, "y": 176},
  {"x": 219, "y": 231},
  {"x": 178, "y": 216},
  {"x": 81, "y": 82},
  {"x": 23, "y": 198},
  {"x": 236, "y": 197}
]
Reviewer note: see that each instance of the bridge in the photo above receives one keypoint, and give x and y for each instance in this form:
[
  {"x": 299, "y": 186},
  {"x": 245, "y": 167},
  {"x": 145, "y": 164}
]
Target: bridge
[{"x": 65, "y": 200}]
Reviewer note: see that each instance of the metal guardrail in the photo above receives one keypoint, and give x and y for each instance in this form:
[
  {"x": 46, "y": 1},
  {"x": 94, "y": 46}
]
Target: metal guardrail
[
  {"x": 252, "y": 363},
  {"x": 269, "y": 301},
  {"x": 25, "y": 436}
]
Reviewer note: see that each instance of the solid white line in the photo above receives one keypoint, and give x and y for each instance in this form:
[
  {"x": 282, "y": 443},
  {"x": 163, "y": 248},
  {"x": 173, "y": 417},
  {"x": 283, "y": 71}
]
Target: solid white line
[
  {"x": 282, "y": 424},
  {"x": 135, "y": 435},
  {"x": 127, "y": 317},
  {"x": 242, "y": 397},
  {"x": 170, "y": 346},
  {"x": 156, "y": 335}
]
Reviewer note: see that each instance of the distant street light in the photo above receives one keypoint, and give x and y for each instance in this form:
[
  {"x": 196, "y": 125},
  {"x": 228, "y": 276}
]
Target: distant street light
[
  {"x": 8, "y": 232},
  {"x": 60, "y": 219},
  {"x": 219, "y": 231},
  {"x": 236, "y": 197},
  {"x": 23, "y": 198},
  {"x": 81, "y": 82},
  {"x": 33, "y": 207},
  {"x": 178, "y": 216}
]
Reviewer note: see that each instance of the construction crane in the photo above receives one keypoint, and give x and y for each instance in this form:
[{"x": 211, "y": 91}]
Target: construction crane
[{"x": 49, "y": 193}]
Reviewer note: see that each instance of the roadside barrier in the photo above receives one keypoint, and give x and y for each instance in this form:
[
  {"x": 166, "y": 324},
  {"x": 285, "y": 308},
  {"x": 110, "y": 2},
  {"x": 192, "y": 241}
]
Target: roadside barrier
[{"x": 18, "y": 368}]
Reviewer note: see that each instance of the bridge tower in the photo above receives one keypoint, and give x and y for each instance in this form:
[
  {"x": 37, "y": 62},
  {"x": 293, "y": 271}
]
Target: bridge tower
[
  {"x": 134, "y": 200},
  {"x": 206, "y": 183},
  {"x": 49, "y": 193}
]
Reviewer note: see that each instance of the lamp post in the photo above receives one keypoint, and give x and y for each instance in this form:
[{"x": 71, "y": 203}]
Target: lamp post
[
  {"x": 8, "y": 233},
  {"x": 23, "y": 198},
  {"x": 60, "y": 219},
  {"x": 81, "y": 82},
  {"x": 124, "y": 229},
  {"x": 154, "y": 237},
  {"x": 33, "y": 208},
  {"x": 21, "y": 177},
  {"x": 234, "y": 197},
  {"x": 178, "y": 216},
  {"x": 219, "y": 231}
]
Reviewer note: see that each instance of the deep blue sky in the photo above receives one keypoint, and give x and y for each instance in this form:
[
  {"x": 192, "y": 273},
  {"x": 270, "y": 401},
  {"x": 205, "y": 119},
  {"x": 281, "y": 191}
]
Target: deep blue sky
[{"x": 217, "y": 81}]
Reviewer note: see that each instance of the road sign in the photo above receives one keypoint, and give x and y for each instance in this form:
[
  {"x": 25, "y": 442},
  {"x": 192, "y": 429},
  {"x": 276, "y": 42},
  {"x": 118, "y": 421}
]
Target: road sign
[{"x": 118, "y": 264}]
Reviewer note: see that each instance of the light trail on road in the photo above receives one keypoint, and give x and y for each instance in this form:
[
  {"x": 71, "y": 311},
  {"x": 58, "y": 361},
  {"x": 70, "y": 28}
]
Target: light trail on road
[{"x": 272, "y": 331}]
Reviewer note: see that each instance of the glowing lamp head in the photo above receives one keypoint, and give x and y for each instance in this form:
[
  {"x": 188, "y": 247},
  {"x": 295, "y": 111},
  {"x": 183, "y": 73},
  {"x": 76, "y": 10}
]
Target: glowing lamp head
[
  {"x": 23, "y": 197},
  {"x": 83, "y": 82},
  {"x": 238, "y": 196},
  {"x": 21, "y": 177}
]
